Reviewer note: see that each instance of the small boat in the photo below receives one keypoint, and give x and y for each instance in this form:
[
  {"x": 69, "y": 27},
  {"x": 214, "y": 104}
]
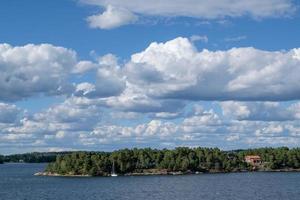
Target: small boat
[{"x": 113, "y": 173}]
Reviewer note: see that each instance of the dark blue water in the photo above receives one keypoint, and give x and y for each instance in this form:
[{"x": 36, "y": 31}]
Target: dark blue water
[{"x": 18, "y": 183}]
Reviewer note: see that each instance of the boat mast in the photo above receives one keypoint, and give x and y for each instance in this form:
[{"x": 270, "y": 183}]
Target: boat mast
[{"x": 113, "y": 168}]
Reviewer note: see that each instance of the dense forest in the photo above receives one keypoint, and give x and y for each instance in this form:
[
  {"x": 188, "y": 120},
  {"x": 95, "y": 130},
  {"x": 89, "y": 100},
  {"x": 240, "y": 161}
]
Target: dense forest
[
  {"x": 180, "y": 159},
  {"x": 1, "y": 159},
  {"x": 34, "y": 157}
]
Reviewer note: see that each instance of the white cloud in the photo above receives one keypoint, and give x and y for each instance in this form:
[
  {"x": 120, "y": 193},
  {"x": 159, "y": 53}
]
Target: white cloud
[
  {"x": 295, "y": 109},
  {"x": 134, "y": 99},
  {"x": 110, "y": 80},
  {"x": 85, "y": 88},
  {"x": 207, "y": 118},
  {"x": 111, "y": 18},
  {"x": 152, "y": 91},
  {"x": 272, "y": 129},
  {"x": 125, "y": 115},
  {"x": 236, "y": 109},
  {"x": 9, "y": 113},
  {"x": 206, "y": 128},
  {"x": 69, "y": 115},
  {"x": 258, "y": 111},
  {"x": 30, "y": 70},
  {"x": 58, "y": 126},
  {"x": 293, "y": 129},
  {"x": 176, "y": 69},
  {"x": 231, "y": 138},
  {"x": 108, "y": 60},
  {"x": 60, "y": 134},
  {"x": 83, "y": 67},
  {"x": 77, "y": 124},
  {"x": 201, "y": 38},
  {"x": 167, "y": 115},
  {"x": 201, "y": 9}
]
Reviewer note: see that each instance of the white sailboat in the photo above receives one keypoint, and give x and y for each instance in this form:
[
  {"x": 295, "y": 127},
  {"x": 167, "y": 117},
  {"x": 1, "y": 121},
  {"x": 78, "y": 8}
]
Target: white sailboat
[{"x": 113, "y": 173}]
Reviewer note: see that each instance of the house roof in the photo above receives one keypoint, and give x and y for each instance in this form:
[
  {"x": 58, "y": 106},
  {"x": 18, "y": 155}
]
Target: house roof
[{"x": 252, "y": 157}]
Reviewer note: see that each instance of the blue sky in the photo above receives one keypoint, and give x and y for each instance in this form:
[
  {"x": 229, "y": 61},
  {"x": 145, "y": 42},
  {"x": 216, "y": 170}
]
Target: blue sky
[{"x": 103, "y": 75}]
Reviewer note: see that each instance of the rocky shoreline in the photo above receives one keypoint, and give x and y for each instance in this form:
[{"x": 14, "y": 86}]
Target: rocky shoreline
[
  {"x": 279, "y": 170},
  {"x": 127, "y": 174},
  {"x": 161, "y": 173},
  {"x": 60, "y": 175}
]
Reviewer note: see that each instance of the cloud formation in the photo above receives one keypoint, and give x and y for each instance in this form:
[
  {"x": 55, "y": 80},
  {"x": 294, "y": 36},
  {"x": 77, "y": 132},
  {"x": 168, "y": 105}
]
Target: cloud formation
[
  {"x": 9, "y": 113},
  {"x": 32, "y": 70},
  {"x": 171, "y": 70},
  {"x": 120, "y": 12},
  {"x": 110, "y": 81},
  {"x": 78, "y": 123},
  {"x": 153, "y": 99},
  {"x": 176, "y": 69},
  {"x": 260, "y": 111},
  {"x": 111, "y": 18}
]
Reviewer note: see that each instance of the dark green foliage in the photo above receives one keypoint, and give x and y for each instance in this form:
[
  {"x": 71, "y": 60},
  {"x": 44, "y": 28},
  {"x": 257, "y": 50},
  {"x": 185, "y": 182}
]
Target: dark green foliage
[
  {"x": 180, "y": 159},
  {"x": 140, "y": 160},
  {"x": 34, "y": 157},
  {"x": 1, "y": 159},
  {"x": 276, "y": 158}
]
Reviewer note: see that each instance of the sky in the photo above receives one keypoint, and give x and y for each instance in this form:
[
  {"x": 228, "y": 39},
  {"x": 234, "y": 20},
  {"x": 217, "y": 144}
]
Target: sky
[{"x": 102, "y": 75}]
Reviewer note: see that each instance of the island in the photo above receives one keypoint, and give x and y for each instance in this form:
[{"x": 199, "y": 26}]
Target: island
[
  {"x": 1, "y": 159},
  {"x": 181, "y": 160},
  {"x": 34, "y": 157}
]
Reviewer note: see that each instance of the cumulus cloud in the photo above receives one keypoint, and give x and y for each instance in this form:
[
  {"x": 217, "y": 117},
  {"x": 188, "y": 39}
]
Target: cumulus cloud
[
  {"x": 77, "y": 123},
  {"x": 176, "y": 69},
  {"x": 58, "y": 126},
  {"x": 164, "y": 76},
  {"x": 167, "y": 115},
  {"x": 30, "y": 70},
  {"x": 295, "y": 108},
  {"x": 155, "y": 91},
  {"x": 71, "y": 115},
  {"x": 272, "y": 129},
  {"x": 111, "y": 18},
  {"x": 203, "y": 9},
  {"x": 258, "y": 111},
  {"x": 83, "y": 67},
  {"x": 110, "y": 80},
  {"x": 9, "y": 113},
  {"x": 134, "y": 99}
]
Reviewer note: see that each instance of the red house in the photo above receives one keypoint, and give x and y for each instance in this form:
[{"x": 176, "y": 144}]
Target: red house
[{"x": 253, "y": 160}]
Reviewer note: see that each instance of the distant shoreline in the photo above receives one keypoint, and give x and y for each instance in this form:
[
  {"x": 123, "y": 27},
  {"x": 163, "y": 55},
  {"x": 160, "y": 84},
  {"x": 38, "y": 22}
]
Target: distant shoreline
[
  {"x": 60, "y": 175},
  {"x": 163, "y": 173}
]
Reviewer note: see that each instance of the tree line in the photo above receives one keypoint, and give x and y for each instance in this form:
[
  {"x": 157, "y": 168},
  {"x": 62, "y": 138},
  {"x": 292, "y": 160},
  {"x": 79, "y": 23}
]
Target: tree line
[
  {"x": 35, "y": 157},
  {"x": 276, "y": 158},
  {"x": 180, "y": 159},
  {"x": 1, "y": 159}
]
